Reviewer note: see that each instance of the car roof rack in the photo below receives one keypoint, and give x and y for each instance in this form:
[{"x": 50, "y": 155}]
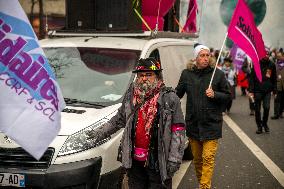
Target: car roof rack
[{"x": 142, "y": 34}]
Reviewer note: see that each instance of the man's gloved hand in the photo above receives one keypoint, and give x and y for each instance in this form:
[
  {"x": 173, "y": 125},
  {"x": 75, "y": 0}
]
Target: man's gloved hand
[{"x": 172, "y": 167}]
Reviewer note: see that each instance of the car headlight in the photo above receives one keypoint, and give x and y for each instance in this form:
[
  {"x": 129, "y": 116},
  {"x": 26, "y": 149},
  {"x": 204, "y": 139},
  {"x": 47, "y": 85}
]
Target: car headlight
[{"x": 79, "y": 141}]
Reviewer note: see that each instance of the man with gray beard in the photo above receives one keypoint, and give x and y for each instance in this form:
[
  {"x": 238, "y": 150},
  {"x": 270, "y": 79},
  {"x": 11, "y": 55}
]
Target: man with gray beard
[{"x": 153, "y": 140}]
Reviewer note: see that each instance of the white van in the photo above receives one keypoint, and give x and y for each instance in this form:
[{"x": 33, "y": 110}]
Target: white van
[{"x": 93, "y": 71}]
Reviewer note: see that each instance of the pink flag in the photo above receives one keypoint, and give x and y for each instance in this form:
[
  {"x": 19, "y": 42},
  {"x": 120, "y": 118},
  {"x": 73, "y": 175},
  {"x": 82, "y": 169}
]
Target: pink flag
[
  {"x": 151, "y": 9},
  {"x": 243, "y": 31},
  {"x": 190, "y": 25}
]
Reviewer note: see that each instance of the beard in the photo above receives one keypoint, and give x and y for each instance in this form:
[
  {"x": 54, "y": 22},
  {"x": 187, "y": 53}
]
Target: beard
[{"x": 145, "y": 88}]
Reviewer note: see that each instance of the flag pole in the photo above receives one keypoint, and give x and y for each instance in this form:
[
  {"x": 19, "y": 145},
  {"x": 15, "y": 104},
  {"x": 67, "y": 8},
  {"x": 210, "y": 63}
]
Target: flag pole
[
  {"x": 218, "y": 60},
  {"x": 157, "y": 21},
  {"x": 200, "y": 17}
]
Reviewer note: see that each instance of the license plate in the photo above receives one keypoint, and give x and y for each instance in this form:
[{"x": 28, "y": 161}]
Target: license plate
[{"x": 10, "y": 179}]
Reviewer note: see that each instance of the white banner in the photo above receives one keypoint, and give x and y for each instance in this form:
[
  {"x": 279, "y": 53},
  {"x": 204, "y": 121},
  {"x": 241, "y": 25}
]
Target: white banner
[{"x": 30, "y": 98}]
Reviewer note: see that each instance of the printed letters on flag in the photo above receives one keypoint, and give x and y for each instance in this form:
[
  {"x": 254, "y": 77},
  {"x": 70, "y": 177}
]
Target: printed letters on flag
[
  {"x": 243, "y": 31},
  {"x": 238, "y": 56},
  {"x": 190, "y": 24},
  {"x": 30, "y": 98}
]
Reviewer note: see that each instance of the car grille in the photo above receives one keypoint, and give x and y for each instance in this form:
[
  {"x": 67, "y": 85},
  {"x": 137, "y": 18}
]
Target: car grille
[{"x": 19, "y": 158}]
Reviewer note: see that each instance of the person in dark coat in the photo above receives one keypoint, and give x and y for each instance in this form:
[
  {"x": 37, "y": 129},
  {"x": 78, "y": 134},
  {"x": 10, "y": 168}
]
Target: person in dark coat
[
  {"x": 153, "y": 139},
  {"x": 204, "y": 108},
  {"x": 261, "y": 92},
  {"x": 279, "y": 99},
  {"x": 246, "y": 68}
]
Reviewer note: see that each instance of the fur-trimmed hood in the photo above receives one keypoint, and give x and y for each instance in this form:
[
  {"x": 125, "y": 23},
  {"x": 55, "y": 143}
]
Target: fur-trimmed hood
[{"x": 192, "y": 64}]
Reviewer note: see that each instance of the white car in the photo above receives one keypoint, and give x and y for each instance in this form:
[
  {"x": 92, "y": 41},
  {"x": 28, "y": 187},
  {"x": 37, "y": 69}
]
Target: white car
[{"x": 93, "y": 71}]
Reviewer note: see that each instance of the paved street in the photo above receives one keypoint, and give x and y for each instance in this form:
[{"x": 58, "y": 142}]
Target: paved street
[{"x": 237, "y": 167}]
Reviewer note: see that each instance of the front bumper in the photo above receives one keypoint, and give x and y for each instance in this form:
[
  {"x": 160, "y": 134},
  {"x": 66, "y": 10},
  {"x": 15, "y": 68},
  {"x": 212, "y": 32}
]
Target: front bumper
[{"x": 83, "y": 174}]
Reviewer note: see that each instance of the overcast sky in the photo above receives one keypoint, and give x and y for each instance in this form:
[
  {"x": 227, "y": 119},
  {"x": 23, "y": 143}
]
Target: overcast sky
[{"x": 213, "y": 30}]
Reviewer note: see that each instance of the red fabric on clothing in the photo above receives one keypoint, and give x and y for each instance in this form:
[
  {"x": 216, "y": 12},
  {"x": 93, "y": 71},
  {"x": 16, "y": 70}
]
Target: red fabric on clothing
[
  {"x": 146, "y": 116},
  {"x": 242, "y": 79},
  {"x": 142, "y": 140}
]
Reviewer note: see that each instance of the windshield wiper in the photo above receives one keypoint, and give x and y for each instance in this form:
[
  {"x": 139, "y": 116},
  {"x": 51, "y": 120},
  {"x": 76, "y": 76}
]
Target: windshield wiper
[{"x": 76, "y": 101}]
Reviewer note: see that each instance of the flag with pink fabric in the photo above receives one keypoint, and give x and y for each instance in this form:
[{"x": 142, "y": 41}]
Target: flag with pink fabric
[
  {"x": 243, "y": 31},
  {"x": 153, "y": 12},
  {"x": 190, "y": 24}
]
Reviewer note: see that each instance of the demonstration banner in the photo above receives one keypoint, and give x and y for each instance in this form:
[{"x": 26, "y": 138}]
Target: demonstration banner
[
  {"x": 190, "y": 24},
  {"x": 238, "y": 56},
  {"x": 30, "y": 98},
  {"x": 243, "y": 31}
]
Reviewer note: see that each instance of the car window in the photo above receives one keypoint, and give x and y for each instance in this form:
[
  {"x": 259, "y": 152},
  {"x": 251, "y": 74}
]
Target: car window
[
  {"x": 155, "y": 54},
  {"x": 93, "y": 74},
  {"x": 173, "y": 60}
]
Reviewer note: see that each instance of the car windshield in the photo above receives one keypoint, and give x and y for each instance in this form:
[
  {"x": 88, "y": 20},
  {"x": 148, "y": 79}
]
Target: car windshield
[{"x": 92, "y": 76}]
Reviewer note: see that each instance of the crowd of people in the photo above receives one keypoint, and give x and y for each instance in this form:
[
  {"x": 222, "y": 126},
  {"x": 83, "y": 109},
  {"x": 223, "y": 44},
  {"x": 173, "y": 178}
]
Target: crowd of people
[
  {"x": 153, "y": 140},
  {"x": 259, "y": 93}
]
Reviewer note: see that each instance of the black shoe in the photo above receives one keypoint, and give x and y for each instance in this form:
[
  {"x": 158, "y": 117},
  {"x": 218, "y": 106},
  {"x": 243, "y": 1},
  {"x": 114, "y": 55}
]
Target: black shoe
[
  {"x": 251, "y": 113},
  {"x": 266, "y": 129},
  {"x": 259, "y": 131},
  {"x": 274, "y": 117}
]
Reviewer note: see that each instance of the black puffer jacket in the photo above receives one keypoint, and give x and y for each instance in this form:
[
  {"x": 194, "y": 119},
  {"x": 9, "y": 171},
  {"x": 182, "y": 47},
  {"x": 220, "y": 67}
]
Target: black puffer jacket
[
  {"x": 203, "y": 114},
  {"x": 269, "y": 78}
]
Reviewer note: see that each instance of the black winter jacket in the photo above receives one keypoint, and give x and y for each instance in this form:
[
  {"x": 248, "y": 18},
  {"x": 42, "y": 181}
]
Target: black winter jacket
[
  {"x": 203, "y": 114},
  {"x": 269, "y": 78}
]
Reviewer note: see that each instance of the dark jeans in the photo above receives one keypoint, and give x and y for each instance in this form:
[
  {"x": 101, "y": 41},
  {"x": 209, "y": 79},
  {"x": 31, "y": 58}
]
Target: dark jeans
[
  {"x": 264, "y": 99},
  {"x": 229, "y": 105},
  {"x": 251, "y": 105},
  {"x": 279, "y": 103},
  {"x": 140, "y": 177},
  {"x": 243, "y": 89}
]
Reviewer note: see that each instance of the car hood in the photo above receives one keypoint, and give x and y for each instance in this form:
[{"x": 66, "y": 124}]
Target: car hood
[{"x": 73, "y": 121}]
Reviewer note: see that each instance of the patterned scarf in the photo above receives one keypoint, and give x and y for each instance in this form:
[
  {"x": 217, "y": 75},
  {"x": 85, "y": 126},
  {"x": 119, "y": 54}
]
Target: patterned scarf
[{"x": 148, "y": 110}]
